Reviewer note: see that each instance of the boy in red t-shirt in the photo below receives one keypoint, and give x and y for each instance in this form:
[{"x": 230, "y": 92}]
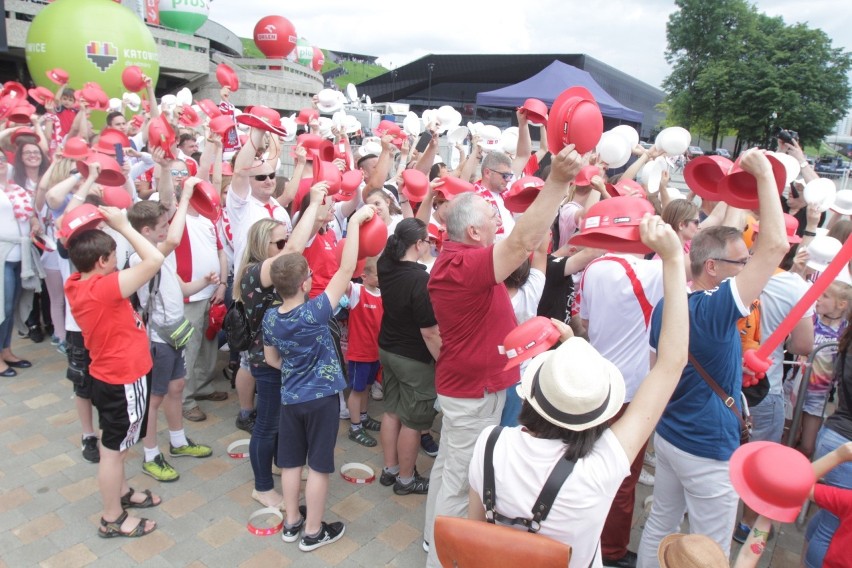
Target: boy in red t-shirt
[
  {"x": 120, "y": 360},
  {"x": 365, "y": 320}
]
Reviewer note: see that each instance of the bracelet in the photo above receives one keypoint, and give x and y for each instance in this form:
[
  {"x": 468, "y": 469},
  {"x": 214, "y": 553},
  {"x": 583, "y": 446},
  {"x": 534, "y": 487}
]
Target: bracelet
[{"x": 809, "y": 233}]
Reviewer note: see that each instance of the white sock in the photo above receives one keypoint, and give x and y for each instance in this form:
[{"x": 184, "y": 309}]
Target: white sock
[
  {"x": 151, "y": 453},
  {"x": 178, "y": 438},
  {"x": 89, "y": 435}
]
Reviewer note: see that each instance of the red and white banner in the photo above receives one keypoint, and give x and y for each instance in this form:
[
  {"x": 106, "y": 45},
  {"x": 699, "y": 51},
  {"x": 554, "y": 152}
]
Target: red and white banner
[{"x": 152, "y": 11}]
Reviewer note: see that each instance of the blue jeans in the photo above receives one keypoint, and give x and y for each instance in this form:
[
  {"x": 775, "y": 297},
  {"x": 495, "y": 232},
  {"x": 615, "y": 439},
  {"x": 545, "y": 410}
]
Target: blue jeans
[
  {"x": 11, "y": 292},
  {"x": 264, "y": 436},
  {"x": 512, "y": 409},
  {"x": 823, "y": 524},
  {"x": 768, "y": 417}
]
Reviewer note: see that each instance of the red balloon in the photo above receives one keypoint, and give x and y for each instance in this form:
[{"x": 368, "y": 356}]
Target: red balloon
[
  {"x": 318, "y": 60},
  {"x": 275, "y": 36}
]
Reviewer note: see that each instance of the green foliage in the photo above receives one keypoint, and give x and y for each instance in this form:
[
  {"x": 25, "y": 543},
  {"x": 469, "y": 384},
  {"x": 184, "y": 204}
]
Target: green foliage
[
  {"x": 250, "y": 50},
  {"x": 733, "y": 68}
]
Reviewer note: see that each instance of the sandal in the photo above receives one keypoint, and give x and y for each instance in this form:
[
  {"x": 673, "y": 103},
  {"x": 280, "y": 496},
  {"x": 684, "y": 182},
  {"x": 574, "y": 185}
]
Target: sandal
[
  {"x": 111, "y": 529},
  {"x": 128, "y": 503}
]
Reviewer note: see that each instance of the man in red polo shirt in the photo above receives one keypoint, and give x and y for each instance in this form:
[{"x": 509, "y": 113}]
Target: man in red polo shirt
[{"x": 474, "y": 315}]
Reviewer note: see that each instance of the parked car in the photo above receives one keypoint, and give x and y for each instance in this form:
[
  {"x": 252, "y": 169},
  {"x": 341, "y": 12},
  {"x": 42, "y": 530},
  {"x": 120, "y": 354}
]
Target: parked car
[
  {"x": 720, "y": 152},
  {"x": 694, "y": 151},
  {"x": 831, "y": 166},
  {"x": 646, "y": 145}
]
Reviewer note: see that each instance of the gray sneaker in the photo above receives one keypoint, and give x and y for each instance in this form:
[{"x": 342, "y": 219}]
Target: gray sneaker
[{"x": 419, "y": 486}]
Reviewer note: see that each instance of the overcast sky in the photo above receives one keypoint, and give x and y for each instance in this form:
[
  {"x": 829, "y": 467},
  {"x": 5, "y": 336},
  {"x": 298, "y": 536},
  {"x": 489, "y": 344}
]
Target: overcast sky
[{"x": 628, "y": 35}]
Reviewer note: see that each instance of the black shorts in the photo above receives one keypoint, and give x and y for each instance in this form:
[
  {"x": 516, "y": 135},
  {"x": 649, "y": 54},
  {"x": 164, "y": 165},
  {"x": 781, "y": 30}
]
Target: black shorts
[
  {"x": 122, "y": 411},
  {"x": 78, "y": 365},
  {"x": 308, "y": 431}
]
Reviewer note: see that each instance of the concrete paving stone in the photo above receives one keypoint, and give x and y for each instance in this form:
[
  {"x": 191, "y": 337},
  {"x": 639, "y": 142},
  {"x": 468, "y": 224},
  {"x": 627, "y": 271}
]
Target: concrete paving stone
[
  {"x": 9, "y": 520},
  {"x": 180, "y": 505},
  {"x": 27, "y": 444},
  {"x": 220, "y": 532},
  {"x": 52, "y": 465},
  {"x": 11, "y": 423},
  {"x": 76, "y": 556},
  {"x": 30, "y": 554},
  {"x": 66, "y": 418},
  {"x": 141, "y": 550},
  {"x": 42, "y": 400},
  {"x": 352, "y": 508},
  {"x": 265, "y": 558},
  {"x": 38, "y": 528},
  {"x": 399, "y": 535},
  {"x": 372, "y": 553}
]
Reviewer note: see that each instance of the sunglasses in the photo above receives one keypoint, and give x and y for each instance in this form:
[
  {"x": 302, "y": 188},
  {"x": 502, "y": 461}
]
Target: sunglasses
[
  {"x": 507, "y": 176},
  {"x": 264, "y": 177},
  {"x": 180, "y": 173},
  {"x": 279, "y": 244}
]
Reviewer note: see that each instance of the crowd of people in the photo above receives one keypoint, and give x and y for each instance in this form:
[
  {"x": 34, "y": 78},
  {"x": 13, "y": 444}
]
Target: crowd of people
[{"x": 416, "y": 313}]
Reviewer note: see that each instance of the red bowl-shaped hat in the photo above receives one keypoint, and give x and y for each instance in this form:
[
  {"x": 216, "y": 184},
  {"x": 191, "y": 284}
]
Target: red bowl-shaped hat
[
  {"x": 387, "y": 127},
  {"x": 14, "y": 89},
  {"x": 25, "y": 133},
  {"x": 109, "y": 138},
  {"x": 205, "y": 200},
  {"x": 306, "y": 115},
  {"x": 133, "y": 79},
  {"x": 221, "y": 125},
  {"x": 350, "y": 181},
  {"x": 574, "y": 118},
  {"x": 57, "y": 75},
  {"x": 585, "y": 175},
  {"x": 703, "y": 174},
  {"x": 82, "y": 218},
  {"x": 531, "y": 338},
  {"x": 116, "y": 196},
  {"x": 161, "y": 134},
  {"x": 772, "y": 479},
  {"x": 209, "y": 108},
  {"x": 453, "y": 186},
  {"x": 536, "y": 111},
  {"x": 188, "y": 117},
  {"x": 522, "y": 193},
  {"x": 415, "y": 185},
  {"x": 625, "y": 188},
  {"x": 613, "y": 224},
  {"x": 327, "y": 172},
  {"x": 75, "y": 148},
  {"x": 227, "y": 77},
  {"x": 21, "y": 114},
  {"x": 264, "y": 118},
  {"x": 739, "y": 188},
  {"x": 111, "y": 173},
  {"x": 373, "y": 237},
  {"x": 41, "y": 95},
  {"x": 791, "y": 225},
  {"x": 7, "y": 103}
]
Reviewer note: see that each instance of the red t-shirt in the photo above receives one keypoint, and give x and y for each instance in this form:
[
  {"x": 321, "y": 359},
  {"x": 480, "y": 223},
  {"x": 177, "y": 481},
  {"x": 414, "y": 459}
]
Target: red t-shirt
[
  {"x": 838, "y": 502},
  {"x": 365, "y": 321},
  {"x": 113, "y": 332},
  {"x": 66, "y": 121},
  {"x": 322, "y": 260},
  {"x": 474, "y": 315}
]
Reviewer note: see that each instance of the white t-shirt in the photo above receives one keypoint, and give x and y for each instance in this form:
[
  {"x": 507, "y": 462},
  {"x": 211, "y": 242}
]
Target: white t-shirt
[
  {"x": 202, "y": 253},
  {"x": 617, "y": 324},
  {"x": 781, "y": 293},
  {"x": 243, "y": 213},
  {"x": 167, "y": 305},
  {"x": 522, "y": 464},
  {"x": 526, "y": 299},
  {"x": 10, "y": 226}
]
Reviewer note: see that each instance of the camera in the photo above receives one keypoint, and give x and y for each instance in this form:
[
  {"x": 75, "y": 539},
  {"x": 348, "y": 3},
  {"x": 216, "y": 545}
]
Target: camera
[{"x": 787, "y": 136}]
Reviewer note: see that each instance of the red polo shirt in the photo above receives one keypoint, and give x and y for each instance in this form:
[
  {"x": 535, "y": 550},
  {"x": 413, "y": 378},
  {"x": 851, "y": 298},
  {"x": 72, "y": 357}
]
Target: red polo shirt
[{"x": 474, "y": 315}]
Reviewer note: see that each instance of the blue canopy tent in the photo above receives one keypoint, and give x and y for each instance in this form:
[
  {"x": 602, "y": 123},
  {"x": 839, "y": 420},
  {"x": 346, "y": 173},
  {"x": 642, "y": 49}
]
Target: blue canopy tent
[{"x": 548, "y": 83}]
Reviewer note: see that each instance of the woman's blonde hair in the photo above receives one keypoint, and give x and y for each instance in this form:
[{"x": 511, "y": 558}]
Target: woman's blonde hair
[
  {"x": 61, "y": 170},
  {"x": 257, "y": 249}
]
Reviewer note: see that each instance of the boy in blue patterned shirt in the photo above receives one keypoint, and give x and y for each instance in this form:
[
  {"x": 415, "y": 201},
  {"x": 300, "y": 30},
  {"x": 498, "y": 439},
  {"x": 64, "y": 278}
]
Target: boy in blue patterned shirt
[{"x": 296, "y": 340}]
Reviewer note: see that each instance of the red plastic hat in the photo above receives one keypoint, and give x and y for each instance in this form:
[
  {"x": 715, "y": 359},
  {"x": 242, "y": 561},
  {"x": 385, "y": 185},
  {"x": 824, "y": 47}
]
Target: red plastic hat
[
  {"x": 215, "y": 319},
  {"x": 531, "y": 338},
  {"x": 349, "y": 183},
  {"x": 162, "y": 135},
  {"x": 21, "y": 114},
  {"x": 791, "y": 225},
  {"x": 522, "y": 193},
  {"x": 41, "y": 95},
  {"x": 316, "y": 147},
  {"x": 373, "y": 236},
  {"x": 625, "y": 188},
  {"x": 138, "y": 120},
  {"x": 585, "y": 175},
  {"x": 227, "y": 77},
  {"x": 205, "y": 200},
  {"x": 57, "y": 75},
  {"x": 535, "y": 110},
  {"x": 209, "y": 108},
  {"x": 188, "y": 117},
  {"x": 772, "y": 479},
  {"x": 306, "y": 115},
  {"x": 75, "y": 148},
  {"x": 133, "y": 79},
  {"x": 109, "y": 138},
  {"x": 82, "y": 218},
  {"x": 7, "y": 103},
  {"x": 14, "y": 90},
  {"x": 116, "y": 196},
  {"x": 264, "y": 118},
  {"x": 574, "y": 118},
  {"x": 221, "y": 125},
  {"x": 613, "y": 224},
  {"x": 703, "y": 174},
  {"x": 739, "y": 188},
  {"x": 387, "y": 127},
  {"x": 43, "y": 242},
  {"x": 359, "y": 266},
  {"x": 25, "y": 132},
  {"x": 111, "y": 173},
  {"x": 453, "y": 186},
  {"x": 415, "y": 185},
  {"x": 327, "y": 172}
]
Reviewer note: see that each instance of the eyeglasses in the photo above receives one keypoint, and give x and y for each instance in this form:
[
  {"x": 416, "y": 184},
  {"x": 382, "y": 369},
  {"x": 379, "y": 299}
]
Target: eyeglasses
[
  {"x": 180, "y": 173},
  {"x": 279, "y": 244},
  {"x": 507, "y": 176},
  {"x": 264, "y": 177},
  {"x": 729, "y": 261}
]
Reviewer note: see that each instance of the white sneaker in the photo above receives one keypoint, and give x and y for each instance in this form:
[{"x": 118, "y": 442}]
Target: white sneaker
[
  {"x": 376, "y": 391},
  {"x": 650, "y": 459},
  {"x": 646, "y": 478},
  {"x": 344, "y": 413}
]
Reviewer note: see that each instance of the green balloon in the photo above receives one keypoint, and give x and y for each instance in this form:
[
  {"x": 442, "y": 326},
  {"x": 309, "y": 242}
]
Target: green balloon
[
  {"x": 184, "y": 15},
  {"x": 93, "y": 40}
]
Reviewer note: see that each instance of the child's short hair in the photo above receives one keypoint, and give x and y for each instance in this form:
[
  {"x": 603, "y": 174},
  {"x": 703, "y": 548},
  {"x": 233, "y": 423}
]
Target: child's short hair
[
  {"x": 87, "y": 248},
  {"x": 370, "y": 265},
  {"x": 145, "y": 214},
  {"x": 67, "y": 92},
  {"x": 288, "y": 272}
]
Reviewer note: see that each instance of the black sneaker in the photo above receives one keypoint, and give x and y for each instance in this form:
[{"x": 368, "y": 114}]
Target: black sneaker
[
  {"x": 292, "y": 534},
  {"x": 91, "y": 452},
  {"x": 387, "y": 478},
  {"x": 246, "y": 423},
  {"x": 429, "y": 445},
  {"x": 419, "y": 486},
  {"x": 329, "y": 532},
  {"x": 36, "y": 335}
]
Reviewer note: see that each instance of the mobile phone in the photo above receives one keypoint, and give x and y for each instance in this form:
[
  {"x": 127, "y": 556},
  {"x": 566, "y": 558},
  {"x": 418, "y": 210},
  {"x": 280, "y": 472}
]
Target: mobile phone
[
  {"x": 119, "y": 154},
  {"x": 423, "y": 142}
]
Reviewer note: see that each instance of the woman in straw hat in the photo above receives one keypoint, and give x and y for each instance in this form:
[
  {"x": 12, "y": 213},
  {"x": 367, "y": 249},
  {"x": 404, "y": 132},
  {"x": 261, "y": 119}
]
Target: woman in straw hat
[{"x": 570, "y": 394}]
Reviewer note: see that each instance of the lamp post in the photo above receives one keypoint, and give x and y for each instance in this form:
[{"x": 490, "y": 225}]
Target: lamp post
[
  {"x": 431, "y": 67},
  {"x": 393, "y": 85}
]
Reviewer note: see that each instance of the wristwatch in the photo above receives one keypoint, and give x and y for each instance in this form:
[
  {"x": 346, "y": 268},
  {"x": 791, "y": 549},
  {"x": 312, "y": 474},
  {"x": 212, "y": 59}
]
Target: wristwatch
[{"x": 804, "y": 164}]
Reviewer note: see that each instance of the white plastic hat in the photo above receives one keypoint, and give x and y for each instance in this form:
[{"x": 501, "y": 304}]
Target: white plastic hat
[{"x": 821, "y": 251}]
